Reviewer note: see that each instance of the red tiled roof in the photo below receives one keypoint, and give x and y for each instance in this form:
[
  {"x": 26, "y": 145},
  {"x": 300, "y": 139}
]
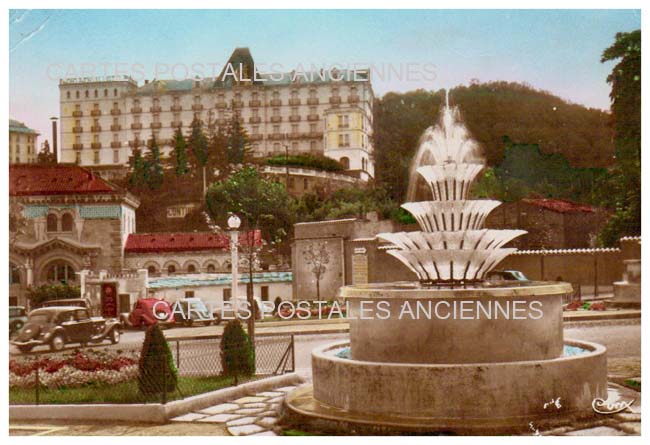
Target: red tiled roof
[
  {"x": 183, "y": 242},
  {"x": 560, "y": 205},
  {"x": 54, "y": 180}
]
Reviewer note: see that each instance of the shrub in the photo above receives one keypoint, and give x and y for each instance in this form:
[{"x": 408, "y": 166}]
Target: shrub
[
  {"x": 38, "y": 295},
  {"x": 156, "y": 371},
  {"x": 237, "y": 353},
  {"x": 307, "y": 161}
]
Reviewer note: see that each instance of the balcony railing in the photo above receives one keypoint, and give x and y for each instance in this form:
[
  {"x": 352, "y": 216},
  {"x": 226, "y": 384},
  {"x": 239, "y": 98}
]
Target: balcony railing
[
  {"x": 77, "y": 113},
  {"x": 116, "y": 127},
  {"x": 95, "y": 112},
  {"x": 197, "y": 107},
  {"x": 136, "y": 126},
  {"x": 222, "y": 122},
  {"x": 312, "y": 117},
  {"x": 136, "y": 110},
  {"x": 237, "y": 103},
  {"x": 95, "y": 128},
  {"x": 276, "y": 136},
  {"x": 136, "y": 143},
  {"x": 315, "y": 134},
  {"x": 116, "y": 144},
  {"x": 77, "y": 130},
  {"x": 116, "y": 111},
  {"x": 176, "y": 124},
  {"x": 96, "y": 145},
  {"x": 155, "y": 109},
  {"x": 353, "y": 99},
  {"x": 295, "y": 135},
  {"x": 275, "y": 102},
  {"x": 221, "y": 105},
  {"x": 255, "y": 137},
  {"x": 255, "y": 120},
  {"x": 276, "y": 119},
  {"x": 176, "y": 108},
  {"x": 335, "y": 100},
  {"x": 77, "y": 146},
  {"x": 294, "y": 118},
  {"x": 294, "y": 101},
  {"x": 254, "y": 103},
  {"x": 155, "y": 125},
  {"x": 312, "y": 101}
]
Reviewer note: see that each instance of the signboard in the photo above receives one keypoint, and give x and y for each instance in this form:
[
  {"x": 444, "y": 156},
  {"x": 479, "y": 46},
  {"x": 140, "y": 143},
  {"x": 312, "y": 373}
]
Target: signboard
[
  {"x": 109, "y": 300},
  {"x": 359, "y": 269}
]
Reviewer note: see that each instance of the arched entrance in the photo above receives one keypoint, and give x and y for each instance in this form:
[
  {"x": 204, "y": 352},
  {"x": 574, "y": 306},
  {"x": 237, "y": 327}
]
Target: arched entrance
[{"x": 59, "y": 271}]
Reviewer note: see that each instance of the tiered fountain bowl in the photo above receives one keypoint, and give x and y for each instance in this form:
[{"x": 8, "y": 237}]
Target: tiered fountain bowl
[{"x": 411, "y": 364}]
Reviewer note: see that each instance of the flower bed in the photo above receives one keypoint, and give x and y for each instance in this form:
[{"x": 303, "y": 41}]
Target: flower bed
[{"x": 74, "y": 370}]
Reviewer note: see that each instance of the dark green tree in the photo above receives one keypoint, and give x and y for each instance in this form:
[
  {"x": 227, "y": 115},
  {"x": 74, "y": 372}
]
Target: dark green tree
[
  {"x": 155, "y": 177},
  {"x": 179, "y": 155},
  {"x": 237, "y": 352},
  {"x": 623, "y": 190},
  {"x": 45, "y": 155},
  {"x": 197, "y": 143},
  {"x": 218, "y": 148},
  {"x": 37, "y": 295},
  {"x": 238, "y": 150},
  {"x": 261, "y": 204},
  {"x": 157, "y": 372},
  {"x": 139, "y": 168}
]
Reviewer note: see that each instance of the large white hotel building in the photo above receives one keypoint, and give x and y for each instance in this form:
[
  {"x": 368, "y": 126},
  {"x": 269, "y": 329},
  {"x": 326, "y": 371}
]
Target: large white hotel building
[{"x": 321, "y": 112}]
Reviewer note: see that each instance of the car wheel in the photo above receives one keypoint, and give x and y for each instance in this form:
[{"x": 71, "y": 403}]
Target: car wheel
[
  {"x": 57, "y": 343},
  {"x": 24, "y": 349},
  {"x": 115, "y": 336}
]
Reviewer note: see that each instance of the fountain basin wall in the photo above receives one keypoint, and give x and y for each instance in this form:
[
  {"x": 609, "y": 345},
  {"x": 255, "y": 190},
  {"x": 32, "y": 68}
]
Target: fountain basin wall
[
  {"x": 502, "y": 394},
  {"x": 418, "y": 337}
]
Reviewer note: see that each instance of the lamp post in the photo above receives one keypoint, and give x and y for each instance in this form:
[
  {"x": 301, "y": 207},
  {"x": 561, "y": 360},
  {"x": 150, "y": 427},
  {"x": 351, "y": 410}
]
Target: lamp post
[{"x": 233, "y": 224}]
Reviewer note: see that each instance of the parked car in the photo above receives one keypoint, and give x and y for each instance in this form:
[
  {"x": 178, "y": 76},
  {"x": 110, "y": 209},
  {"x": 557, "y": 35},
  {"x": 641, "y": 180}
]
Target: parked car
[
  {"x": 188, "y": 311},
  {"x": 17, "y": 318},
  {"x": 143, "y": 314},
  {"x": 78, "y": 302},
  {"x": 58, "y": 326},
  {"x": 506, "y": 275}
]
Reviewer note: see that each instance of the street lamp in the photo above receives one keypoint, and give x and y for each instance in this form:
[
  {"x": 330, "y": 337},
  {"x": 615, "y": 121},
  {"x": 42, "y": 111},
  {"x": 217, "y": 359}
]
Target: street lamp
[{"x": 233, "y": 224}]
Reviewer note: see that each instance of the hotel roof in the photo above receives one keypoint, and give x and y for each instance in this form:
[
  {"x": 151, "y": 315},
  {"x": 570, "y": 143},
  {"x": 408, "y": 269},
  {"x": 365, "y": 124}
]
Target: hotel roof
[{"x": 19, "y": 127}]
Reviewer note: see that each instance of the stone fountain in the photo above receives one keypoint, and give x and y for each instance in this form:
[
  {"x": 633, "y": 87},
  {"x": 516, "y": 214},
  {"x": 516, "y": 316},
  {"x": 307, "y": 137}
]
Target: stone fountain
[{"x": 451, "y": 352}]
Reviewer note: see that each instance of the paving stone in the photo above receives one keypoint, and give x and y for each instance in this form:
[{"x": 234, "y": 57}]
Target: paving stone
[
  {"x": 597, "y": 431},
  {"x": 222, "y": 408},
  {"x": 267, "y": 422},
  {"x": 249, "y": 410},
  {"x": 270, "y": 394},
  {"x": 250, "y": 399},
  {"x": 265, "y": 433},
  {"x": 286, "y": 388},
  {"x": 245, "y": 430},
  {"x": 241, "y": 421},
  {"x": 220, "y": 418},
  {"x": 189, "y": 417},
  {"x": 631, "y": 427},
  {"x": 254, "y": 405}
]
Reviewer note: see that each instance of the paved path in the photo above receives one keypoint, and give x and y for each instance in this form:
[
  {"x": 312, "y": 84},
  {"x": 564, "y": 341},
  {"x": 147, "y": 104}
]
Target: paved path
[{"x": 254, "y": 415}]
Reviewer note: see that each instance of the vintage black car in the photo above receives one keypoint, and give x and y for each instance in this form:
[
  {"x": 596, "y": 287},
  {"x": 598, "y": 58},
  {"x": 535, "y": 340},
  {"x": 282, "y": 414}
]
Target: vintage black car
[{"x": 58, "y": 326}]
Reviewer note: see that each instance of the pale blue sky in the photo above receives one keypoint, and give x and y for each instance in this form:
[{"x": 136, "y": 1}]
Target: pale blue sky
[{"x": 558, "y": 50}]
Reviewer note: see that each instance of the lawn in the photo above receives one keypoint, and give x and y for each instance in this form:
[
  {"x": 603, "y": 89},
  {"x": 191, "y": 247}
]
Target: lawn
[{"x": 126, "y": 392}]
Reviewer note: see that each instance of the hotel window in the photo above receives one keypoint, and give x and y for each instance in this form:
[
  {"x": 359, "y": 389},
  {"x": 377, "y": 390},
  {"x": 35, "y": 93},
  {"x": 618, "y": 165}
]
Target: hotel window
[
  {"x": 276, "y": 95},
  {"x": 312, "y": 110},
  {"x": 115, "y": 121},
  {"x": 335, "y": 91},
  {"x": 238, "y": 97},
  {"x": 276, "y": 112},
  {"x": 156, "y": 102},
  {"x": 294, "y": 111},
  {"x": 294, "y": 147},
  {"x": 95, "y": 122},
  {"x": 256, "y": 112},
  {"x": 312, "y": 145},
  {"x": 344, "y": 140},
  {"x": 294, "y": 94},
  {"x": 276, "y": 129},
  {"x": 77, "y": 123},
  {"x": 77, "y": 107},
  {"x": 68, "y": 95},
  {"x": 136, "y": 103},
  {"x": 276, "y": 147},
  {"x": 115, "y": 92},
  {"x": 77, "y": 139},
  {"x": 105, "y": 92},
  {"x": 96, "y": 93},
  {"x": 77, "y": 94},
  {"x": 294, "y": 128},
  {"x": 95, "y": 138},
  {"x": 256, "y": 129},
  {"x": 156, "y": 118},
  {"x": 77, "y": 159},
  {"x": 116, "y": 137},
  {"x": 136, "y": 119},
  {"x": 87, "y": 93},
  {"x": 197, "y": 100},
  {"x": 312, "y": 128},
  {"x": 96, "y": 157},
  {"x": 312, "y": 93}
]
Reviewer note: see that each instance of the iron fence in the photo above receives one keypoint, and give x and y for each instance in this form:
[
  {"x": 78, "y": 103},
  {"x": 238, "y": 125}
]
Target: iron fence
[{"x": 111, "y": 374}]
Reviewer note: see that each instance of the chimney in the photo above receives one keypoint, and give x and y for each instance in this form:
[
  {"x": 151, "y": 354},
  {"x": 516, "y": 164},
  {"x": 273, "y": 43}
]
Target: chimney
[{"x": 55, "y": 143}]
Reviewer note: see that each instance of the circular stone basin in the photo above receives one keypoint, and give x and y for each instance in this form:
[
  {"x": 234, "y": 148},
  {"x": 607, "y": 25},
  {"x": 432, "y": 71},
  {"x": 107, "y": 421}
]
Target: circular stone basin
[
  {"x": 406, "y": 322},
  {"x": 453, "y": 397}
]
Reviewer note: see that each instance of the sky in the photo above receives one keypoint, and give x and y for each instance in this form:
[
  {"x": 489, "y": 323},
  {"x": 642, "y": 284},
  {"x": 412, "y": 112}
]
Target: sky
[{"x": 555, "y": 50}]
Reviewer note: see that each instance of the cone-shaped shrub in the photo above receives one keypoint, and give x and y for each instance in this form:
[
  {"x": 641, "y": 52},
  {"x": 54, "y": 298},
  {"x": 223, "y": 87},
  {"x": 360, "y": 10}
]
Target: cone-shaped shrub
[
  {"x": 237, "y": 353},
  {"x": 157, "y": 371}
]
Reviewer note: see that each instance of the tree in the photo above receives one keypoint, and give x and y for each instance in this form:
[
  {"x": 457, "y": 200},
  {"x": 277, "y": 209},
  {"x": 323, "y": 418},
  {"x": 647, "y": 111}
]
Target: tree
[
  {"x": 180, "y": 153},
  {"x": 139, "y": 168},
  {"x": 623, "y": 190},
  {"x": 157, "y": 372},
  {"x": 317, "y": 257},
  {"x": 197, "y": 142},
  {"x": 237, "y": 352},
  {"x": 238, "y": 149},
  {"x": 262, "y": 206},
  {"x": 218, "y": 148},
  {"x": 45, "y": 155},
  {"x": 155, "y": 176}
]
